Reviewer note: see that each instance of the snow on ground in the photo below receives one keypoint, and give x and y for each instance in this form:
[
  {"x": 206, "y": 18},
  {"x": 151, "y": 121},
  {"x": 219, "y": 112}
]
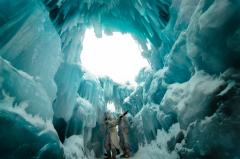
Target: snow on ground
[{"x": 158, "y": 148}]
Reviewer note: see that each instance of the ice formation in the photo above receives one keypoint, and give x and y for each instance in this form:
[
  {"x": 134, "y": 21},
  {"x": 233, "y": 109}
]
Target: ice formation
[{"x": 185, "y": 105}]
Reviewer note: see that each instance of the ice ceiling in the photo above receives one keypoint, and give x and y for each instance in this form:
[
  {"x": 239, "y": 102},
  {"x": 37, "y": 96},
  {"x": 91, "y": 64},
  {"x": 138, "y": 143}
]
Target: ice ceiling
[
  {"x": 186, "y": 104},
  {"x": 105, "y": 56}
]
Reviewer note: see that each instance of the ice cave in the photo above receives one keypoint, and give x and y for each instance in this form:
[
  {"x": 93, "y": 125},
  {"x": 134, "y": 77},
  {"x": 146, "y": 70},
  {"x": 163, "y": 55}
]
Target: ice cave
[{"x": 175, "y": 80}]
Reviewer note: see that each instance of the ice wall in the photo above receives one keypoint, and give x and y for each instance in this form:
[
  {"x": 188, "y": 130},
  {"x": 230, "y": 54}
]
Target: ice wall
[
  {"x": 27, "y": 38},
  {"x": 30, "y": 51},
  {"x": 200, "y": 76},
  {"x": 114, "y": 92}
]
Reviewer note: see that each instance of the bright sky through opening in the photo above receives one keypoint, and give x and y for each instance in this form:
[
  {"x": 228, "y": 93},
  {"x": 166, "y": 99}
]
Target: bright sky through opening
[
  {"x": 111, "y": 107},
  {"x": 117, "y": 56}
]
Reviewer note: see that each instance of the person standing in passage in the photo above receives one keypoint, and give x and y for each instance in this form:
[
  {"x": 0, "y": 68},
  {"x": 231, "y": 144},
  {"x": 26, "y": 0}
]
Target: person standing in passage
[
  {"x": 107, "y": 141},
  {"x": 123, "y": 135},
  {"x": 112, "y": 139}
]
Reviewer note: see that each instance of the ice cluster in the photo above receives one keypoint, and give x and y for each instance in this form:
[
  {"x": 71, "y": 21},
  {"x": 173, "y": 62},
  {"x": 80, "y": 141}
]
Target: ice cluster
[{"x": 185, "y": 105}]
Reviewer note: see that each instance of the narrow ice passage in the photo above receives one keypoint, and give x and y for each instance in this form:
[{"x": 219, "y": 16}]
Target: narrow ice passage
[{"x": 182, "y": 101}]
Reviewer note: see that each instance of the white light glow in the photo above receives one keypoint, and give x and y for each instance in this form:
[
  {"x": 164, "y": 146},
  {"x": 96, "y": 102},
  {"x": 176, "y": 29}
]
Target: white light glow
[
  {"x": 111, "y": 107},
  {"x": 117, "y": 56}
]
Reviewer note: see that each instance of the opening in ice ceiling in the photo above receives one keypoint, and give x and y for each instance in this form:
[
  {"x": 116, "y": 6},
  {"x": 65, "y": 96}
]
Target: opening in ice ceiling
[{"x": 117, "y": 56}]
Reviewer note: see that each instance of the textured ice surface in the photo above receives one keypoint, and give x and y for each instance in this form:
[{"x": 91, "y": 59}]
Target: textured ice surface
[
  {"x": 27, "y": 38},
  {"x": 67, "y": 79},
  {"x": 74, "y": 149},
  {"x": 192, "y": 100},
  {"x": 159, "y": 148},
  {"x": 23, "y": 87},
  {"x": 26, "y": 136}
]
